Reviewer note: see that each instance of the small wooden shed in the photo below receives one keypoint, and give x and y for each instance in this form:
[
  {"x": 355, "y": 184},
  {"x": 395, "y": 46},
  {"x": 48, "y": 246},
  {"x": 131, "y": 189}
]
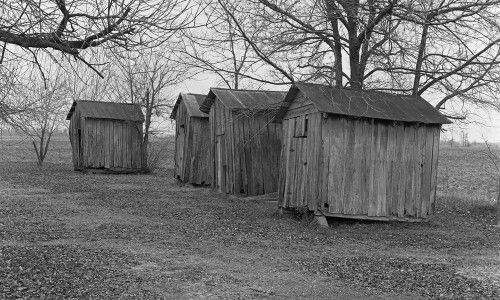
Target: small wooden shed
[
  {"x": 106, "y": 136},
  {"x": 192, "y": 140},
  {"x": 245, "y": 143},
  {"x": 358, "y": 154}
]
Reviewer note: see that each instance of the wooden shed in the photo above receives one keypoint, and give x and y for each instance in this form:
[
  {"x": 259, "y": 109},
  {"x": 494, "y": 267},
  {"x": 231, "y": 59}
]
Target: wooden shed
[
  {"x": 192, "y": 140},
  {"x": 106, "y": 136},
  {"x": 245, "y": 143},
  {"x": 358, "y": 154}
]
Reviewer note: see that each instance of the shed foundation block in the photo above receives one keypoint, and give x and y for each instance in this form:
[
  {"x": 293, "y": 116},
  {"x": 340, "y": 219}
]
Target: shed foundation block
[{"x": 320, "y": 220}]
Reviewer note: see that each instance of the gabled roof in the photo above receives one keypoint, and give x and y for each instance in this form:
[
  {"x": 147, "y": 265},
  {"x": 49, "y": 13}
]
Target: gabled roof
[
  {"x": 367, "y": 104},
  {"x": 244, "y": 99},
  {"x": 192, "y": 103},
  {"x": 107, "y": 110}
]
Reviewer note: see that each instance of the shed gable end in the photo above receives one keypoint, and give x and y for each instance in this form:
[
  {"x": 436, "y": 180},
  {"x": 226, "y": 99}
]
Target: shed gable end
[{"x": 299, "y": 106}]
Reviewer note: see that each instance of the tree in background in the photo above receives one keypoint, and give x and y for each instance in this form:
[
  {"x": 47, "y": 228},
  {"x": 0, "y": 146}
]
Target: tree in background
[
  {"x": 148, "y": 79},
  {"x": 40, "y": 120},
  {"x": 216, "y": 47},
  {"x": 447, "y": 50},
  {"x": 10, "y": 86}
]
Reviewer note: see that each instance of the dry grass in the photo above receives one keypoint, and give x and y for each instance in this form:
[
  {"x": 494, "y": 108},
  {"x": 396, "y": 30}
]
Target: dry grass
[{"x": 67, "y": 234}]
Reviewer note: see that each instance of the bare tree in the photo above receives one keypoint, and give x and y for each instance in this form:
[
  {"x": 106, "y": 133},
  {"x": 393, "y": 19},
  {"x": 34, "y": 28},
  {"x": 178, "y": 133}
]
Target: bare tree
[
  {"x": 70, "y": 26},
  {"x": 148, "y": 79},
  {"x": 218, "y": 48},
  {"x": 40, "y": 120},
  {"x": 12, "y": 88},
  {"x": 444, "y": 49}
]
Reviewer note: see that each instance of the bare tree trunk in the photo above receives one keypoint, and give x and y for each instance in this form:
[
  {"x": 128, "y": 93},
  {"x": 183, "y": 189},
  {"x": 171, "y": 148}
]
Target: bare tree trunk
[
  {"x": 37, "y": 152},
  {"x": 147, "y": 124},
  {"x": 420, "y": 58},
  {"x": 337, "y": 50}
]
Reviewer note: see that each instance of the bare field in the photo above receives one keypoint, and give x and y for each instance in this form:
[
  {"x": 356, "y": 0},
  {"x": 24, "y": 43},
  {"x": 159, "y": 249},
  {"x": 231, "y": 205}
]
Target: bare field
[{"x": 65, "y": 234}]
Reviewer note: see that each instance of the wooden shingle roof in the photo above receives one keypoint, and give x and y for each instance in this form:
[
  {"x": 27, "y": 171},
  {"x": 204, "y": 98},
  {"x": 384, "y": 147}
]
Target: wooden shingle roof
[
  {"x": 254, "y": 100},
  {"x": 107, "y": 110},
  {"x": 366, "y": 104},
  {"x": 192, "y": 103}
]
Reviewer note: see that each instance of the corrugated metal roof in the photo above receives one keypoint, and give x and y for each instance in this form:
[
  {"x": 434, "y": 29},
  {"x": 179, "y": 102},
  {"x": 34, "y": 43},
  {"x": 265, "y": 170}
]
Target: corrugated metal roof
[
  {"x": 254, "y": 100},
  {"x": 367, "y": 104},
  {"x": 192, "y": 102},
  {"x": 107, "y": 110}
]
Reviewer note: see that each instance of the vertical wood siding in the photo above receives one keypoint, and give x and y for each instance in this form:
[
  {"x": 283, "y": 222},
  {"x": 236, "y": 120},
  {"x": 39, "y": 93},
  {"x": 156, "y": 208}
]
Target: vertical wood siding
[
  {"x": 359, "y": 167},
  {"x": 105, "y": 144},
  {"x": 245, "y": 151},
  {"x": 192, "y": 148}
]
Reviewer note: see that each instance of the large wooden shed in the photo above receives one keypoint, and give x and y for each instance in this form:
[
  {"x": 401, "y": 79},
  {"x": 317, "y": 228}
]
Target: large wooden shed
[
  {"x": 106, "y": 136},
  {"x": 245, "y": 143},
  {"x": 358, "y": 154},
  {"x": 192, "y": 140}
]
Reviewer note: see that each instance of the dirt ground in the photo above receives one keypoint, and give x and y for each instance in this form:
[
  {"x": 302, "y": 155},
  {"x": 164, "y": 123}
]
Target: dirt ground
[{"x": 66, "y": 234}]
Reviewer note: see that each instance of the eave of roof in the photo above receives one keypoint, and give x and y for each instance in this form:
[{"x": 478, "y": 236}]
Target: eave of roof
[
  {"x": 192, "y": 103},
  {"x": 364, "y": 104},
  {"x": 254, "y": 100},
  {"x": 107, "y": 110}
]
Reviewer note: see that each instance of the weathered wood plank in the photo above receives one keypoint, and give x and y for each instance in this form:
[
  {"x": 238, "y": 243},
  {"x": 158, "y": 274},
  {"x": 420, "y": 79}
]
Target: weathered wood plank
[
  {"x": 300, "y": 111},
  {"x": 435, "y": 154},
  {"x": 398, "y": 144},
  {"x": 335, "y": 128},
  {"x": 357, "y": 172},
  {"x": 251, "y": 189},
  {"x": 419, "y": 170},
  {"x": 373, "y": 170},
  {"x": 382, "y": 178},
  {"x": 315, "y": 171},
  {"x": 410, "y": 176},
  {"x": 348, "y": 199},
  {"x": 366, "y": 167},
  {"x": 426, "y": 173},
  {"x": 283, "y": 166},
  {"x": 291, "y": 163}
]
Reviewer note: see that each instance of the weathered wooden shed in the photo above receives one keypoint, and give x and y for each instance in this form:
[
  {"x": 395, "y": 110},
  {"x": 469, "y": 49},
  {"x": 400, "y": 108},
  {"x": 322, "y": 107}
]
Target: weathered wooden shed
[
  {"x": 245, "y": 143},
  {"x": 106, "y": 136},
  {"x": 358, "y": 154},
  {"x": 192, "y": 140}
]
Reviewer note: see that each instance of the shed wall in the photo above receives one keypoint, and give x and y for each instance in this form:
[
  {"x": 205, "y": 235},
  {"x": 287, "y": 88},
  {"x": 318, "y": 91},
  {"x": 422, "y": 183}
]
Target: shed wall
[
  {"x": 245, "y": 151},
  {"x": 110, "y": 144},
  {"x": 192, "y": 148},
  {"x": 359, "y": 167}
]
